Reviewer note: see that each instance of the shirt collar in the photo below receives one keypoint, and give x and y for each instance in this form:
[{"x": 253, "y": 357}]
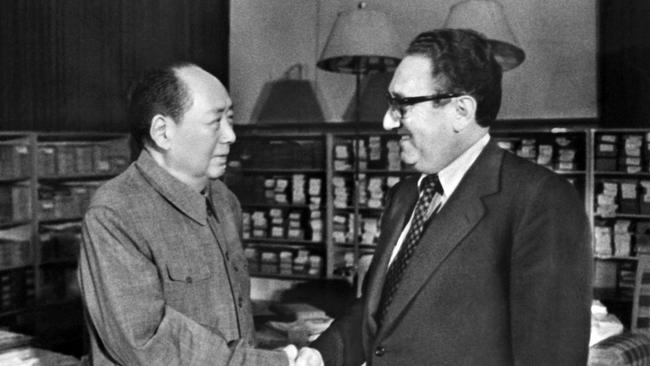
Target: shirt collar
[
  {"x": 451, "y": 175},
  {"x": 182, "y": 196}
]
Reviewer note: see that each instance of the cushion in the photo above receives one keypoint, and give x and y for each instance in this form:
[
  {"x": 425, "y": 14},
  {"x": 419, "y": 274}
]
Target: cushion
[{"x": 629, "y": 349}]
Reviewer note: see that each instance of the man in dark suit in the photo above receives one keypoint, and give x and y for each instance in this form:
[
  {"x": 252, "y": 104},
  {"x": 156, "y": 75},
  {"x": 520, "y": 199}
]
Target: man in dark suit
[{"x": 484, "y": 259}]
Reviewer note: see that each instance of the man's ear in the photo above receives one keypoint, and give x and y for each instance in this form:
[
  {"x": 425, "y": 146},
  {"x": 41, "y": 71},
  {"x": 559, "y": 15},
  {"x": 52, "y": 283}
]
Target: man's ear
[
  {"x": 465, "y": 112},
  {"x": 161, "y": 131}
]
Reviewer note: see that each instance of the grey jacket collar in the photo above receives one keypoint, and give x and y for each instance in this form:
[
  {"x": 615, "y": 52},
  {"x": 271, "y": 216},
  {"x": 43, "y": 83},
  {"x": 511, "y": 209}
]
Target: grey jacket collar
[{"x": 179, "y": 194}]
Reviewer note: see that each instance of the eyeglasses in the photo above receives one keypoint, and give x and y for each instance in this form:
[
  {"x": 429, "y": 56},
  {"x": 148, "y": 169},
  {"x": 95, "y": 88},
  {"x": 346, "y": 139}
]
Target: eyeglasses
[{"x": 397, "y": 105}]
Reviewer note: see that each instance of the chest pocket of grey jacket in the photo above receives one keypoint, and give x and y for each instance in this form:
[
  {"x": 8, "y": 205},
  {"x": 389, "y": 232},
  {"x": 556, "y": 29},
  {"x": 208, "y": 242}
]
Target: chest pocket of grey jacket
[
  {"x": 188, "y": 273},
  {"x": 188, "y": 289}
]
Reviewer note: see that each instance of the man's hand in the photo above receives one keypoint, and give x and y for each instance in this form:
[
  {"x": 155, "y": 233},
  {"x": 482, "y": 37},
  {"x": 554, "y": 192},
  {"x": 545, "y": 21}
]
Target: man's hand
[
  {"x": 305, "y": 357},
  {"x": 309, "y": 357}
]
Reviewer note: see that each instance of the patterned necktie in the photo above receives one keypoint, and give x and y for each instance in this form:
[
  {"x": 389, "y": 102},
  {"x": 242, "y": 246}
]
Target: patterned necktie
[{"x": 427, "y": 204}]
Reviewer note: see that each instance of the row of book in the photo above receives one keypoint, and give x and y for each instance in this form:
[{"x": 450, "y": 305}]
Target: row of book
[
  {"x": 626, "y": 196},
  {"x": 373, "y": 152},
  {"x": 283, "y": 189},
  {"x": 559, "y": 153},
  {"x": 278, "y": 223},
  {"x": 15, "y": 202},
  {"x": 628, "y": 153},
  {"x": 621, "y": 238},
  {"x": 17, "y": 289},
  {"x": 370, "y": 190},
  {"x": 284, "y": 262},
  {"x": 67, "y": 200},
  {"x": 343, "y": 231},
  {"x": 278, "y": 154},
  {"x": 65, "y": 159},
  {"x": 15, "y": 246},
  {"x": 14, "y": 253},
  {"x": 15, "y": 160}
]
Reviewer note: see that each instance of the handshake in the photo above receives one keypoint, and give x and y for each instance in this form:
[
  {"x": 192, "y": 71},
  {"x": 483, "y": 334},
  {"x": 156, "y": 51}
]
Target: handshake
[{"x": 305, "y": 357}]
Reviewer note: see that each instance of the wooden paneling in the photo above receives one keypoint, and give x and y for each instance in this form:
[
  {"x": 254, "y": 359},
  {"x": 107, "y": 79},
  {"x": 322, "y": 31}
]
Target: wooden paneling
[{"x": 67, "y": 64}]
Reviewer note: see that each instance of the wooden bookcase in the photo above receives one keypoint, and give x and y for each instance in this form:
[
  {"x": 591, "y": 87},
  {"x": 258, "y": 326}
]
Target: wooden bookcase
[
  {"x": 48, "y": 180},
  {"x": 347, "y": 168}
]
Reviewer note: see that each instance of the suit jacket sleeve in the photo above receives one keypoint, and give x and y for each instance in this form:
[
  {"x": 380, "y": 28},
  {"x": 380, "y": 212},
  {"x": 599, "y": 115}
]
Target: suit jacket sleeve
[
  {"x": 342, "y": 343},
  {"x": 550, "y": 277},
  {"x": 123, "y": 293}
]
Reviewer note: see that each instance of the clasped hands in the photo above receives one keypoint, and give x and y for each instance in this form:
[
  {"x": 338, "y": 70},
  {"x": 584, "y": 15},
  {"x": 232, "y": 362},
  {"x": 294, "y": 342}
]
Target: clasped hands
[{"x": 304, "y": 357}]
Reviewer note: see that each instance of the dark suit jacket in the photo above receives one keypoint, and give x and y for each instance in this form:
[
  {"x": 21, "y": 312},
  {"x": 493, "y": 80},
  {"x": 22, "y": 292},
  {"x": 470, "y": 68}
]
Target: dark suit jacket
[{"x": 501, "y": 277}]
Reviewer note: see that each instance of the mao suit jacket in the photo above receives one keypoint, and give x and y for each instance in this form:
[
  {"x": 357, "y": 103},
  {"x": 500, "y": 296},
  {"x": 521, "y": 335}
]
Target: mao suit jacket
[
  {"x": 502, "y": 276},
  {"x": 163, "y": 282}
]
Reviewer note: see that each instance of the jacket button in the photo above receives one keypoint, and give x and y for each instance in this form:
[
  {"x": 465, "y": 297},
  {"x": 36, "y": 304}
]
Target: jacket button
[
  {"x": 240, "y": 301},
  {"x": 188, "y": 279},
  {"x": 379, "y": 351}
]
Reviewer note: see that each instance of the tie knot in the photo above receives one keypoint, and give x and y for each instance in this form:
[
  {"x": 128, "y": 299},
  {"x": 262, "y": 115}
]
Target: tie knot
[{"x": 431, "y": 184}]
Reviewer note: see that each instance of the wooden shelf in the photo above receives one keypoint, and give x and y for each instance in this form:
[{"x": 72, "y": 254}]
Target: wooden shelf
[
  {"x": 284, "y": 243},
  {"x": 284, "y": 276},
  {"x": 276, "y": 205},
  {"x": 77, "y": 177},
  {"x": 279, "y": 171},
  {"x": 9, "y": 313},
  {"x": 616, "y": 258},
  {"x": 570, "y": 172},
  {"x": 18, "y": 266},
  {"x": 623, "y": 216},
  {"x": 388, "y": 172},
  {"x": 14, "y": 179},
  {"x": 4, "y": 225},
  {"x": 621, "y": 173}
]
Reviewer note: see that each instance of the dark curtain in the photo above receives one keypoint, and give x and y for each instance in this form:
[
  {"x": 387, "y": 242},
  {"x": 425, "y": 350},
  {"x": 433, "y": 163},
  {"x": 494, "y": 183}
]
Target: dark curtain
[
  {"x": 624, "y": 69},
  {"x": 66, "y": 65}
]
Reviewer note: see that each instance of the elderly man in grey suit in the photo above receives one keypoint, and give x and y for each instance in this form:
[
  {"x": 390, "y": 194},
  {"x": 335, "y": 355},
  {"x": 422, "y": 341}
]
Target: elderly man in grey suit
[
  {"x": 162, "y": 270},
  {"x": 483, "y": 259}
]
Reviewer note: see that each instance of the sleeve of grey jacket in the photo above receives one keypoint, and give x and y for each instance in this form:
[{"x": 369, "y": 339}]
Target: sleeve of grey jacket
[
  {"x": 550, "y": 277},
  {"x": 123, "y": 295}
]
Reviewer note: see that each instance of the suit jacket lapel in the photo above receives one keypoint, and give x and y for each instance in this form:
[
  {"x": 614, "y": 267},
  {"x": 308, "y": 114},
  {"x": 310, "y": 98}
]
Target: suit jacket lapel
[
  {"x": 398, "y": 213},
  {"x": 462, "y": 211}
]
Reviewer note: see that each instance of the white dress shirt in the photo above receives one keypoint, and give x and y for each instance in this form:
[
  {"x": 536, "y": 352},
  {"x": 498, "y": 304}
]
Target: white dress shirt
[{"x": 449, "y": 178}]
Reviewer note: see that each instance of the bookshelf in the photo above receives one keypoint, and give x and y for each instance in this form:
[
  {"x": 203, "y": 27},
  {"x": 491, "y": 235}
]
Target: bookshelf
[
  {"x": 359, "y": 164},
  {"x": 46, "y": 182},
  {"x": 280, "y": 182}
]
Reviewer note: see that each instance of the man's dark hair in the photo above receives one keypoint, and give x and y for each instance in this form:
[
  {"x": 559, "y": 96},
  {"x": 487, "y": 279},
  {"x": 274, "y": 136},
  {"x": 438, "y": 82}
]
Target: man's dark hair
[
  {"x": 463, "y": 62},
  {"x": 158, "y": 91}
]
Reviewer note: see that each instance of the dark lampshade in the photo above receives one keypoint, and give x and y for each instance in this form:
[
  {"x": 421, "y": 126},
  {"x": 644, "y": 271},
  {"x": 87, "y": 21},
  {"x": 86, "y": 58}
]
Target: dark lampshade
[
  {"x": 487, "y": 17},
  {"x": 288, "y": 100}
]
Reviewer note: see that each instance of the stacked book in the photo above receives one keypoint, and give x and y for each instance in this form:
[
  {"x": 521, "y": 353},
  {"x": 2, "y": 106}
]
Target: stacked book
[
  {"x": 342, "y": 157},
  {"x": 14, "y": 160},
  {"x": 298, "y": 182},
  {"x": 341, "y": 192},
  {"x": 566, "y": 154},
  {"x": 15, "y": 202},
  {"x": 393, "y": 155},
  {"x": 630, "y": 158},
  {"x": 315, "y": 193}
]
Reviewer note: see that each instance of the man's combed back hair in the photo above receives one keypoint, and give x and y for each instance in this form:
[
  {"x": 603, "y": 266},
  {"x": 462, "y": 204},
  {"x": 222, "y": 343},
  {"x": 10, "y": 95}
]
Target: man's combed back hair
[
  {"x": 158, "y": 91},
  {"x": 463, "y": 62}
]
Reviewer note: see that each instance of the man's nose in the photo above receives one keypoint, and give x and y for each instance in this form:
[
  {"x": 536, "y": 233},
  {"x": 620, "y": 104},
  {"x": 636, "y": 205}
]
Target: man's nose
[
  {"x": 389, "y": 122},
  {"x": 227, "y": 134}
]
